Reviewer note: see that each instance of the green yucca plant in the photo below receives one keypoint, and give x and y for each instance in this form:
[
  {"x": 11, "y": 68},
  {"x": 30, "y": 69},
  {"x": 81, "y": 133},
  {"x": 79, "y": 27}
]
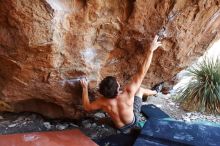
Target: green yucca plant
[{"x": 202, "y": 92}]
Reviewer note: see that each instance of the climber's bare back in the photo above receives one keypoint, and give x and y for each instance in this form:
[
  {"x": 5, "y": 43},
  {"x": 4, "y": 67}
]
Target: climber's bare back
[{"x": 120, "y": 109}]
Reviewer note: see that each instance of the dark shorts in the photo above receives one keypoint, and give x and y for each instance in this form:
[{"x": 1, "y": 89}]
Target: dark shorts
[
  {"x": 137, "y": 106},
  {"x": 137, "y": 109}
]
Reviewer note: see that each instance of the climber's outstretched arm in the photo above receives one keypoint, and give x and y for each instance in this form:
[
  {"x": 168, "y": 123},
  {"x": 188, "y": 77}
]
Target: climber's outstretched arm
[{"x": 137, "y": 79}]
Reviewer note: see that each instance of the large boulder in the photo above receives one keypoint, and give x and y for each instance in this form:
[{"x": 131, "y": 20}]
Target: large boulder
[{"x": 46, "y": 46}]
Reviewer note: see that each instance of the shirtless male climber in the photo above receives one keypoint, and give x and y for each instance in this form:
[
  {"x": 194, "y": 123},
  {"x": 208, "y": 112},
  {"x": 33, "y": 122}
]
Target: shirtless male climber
[{"x": 122, "y": 106}]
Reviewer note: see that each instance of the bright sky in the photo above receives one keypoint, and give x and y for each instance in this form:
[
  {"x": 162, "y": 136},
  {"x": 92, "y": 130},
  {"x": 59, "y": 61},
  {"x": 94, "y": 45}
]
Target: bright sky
[{"x": 214, "y": 50}]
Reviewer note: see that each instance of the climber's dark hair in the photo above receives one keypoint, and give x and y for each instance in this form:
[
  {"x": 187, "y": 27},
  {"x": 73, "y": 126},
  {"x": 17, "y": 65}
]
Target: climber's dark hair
[{"x": 109, "y": 87}]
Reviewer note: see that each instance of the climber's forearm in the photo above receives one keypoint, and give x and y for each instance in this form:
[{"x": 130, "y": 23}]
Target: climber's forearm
[{"x": 85, "y": 99}]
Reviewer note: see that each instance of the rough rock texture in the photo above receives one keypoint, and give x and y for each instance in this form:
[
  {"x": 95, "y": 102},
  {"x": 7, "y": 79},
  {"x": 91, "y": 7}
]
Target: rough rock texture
[{"x": 46, "y": 46}]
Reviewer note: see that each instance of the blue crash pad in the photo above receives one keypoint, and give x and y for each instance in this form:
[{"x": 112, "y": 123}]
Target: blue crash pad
[
  {"x": 118, "y": 140},
  {"x": 168, "y": 132},
  {"x": 151, "y": 111}
]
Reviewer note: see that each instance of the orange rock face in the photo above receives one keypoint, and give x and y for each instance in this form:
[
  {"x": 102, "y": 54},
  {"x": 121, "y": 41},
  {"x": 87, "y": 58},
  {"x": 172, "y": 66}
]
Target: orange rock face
[{"x": 46, "y": 46}]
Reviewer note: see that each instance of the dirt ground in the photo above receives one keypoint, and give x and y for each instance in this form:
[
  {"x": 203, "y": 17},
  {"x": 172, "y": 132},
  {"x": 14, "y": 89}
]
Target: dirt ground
[
  {"x": 97, "y": 125},
  {"x": 168, "y": 104}
]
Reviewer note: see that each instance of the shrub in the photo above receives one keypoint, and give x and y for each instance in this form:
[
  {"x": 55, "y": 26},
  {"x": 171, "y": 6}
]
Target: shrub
[{"x": 203, "y": 91}]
